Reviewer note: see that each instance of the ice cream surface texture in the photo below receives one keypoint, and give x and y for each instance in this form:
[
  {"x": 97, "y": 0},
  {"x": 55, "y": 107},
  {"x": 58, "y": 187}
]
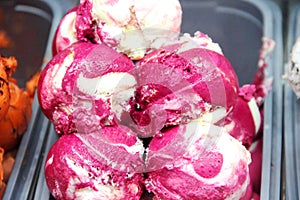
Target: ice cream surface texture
[
  {"x": 169, "y": 86},
  {"x": 218, "y": 171},
  {"x": 80, "y": 81},
  {"x": 93, "y": 95},
  {"x": 129, "y": 26},
  {"x": 98, "y": 165}
]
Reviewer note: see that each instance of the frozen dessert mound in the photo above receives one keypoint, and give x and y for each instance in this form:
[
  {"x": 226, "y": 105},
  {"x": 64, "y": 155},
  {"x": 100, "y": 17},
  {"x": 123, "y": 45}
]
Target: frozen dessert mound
[
  {"x": 98, "y": 165},
  {"x": 17, "y": 118},
  {"x": 79, "y": 83},
  {"x": 189, "y": 82},
  {"x": 209, "y": 73},
  {"x": 218, "y": 172},
  {"x": 169, "y": 86},
  {"x": 108, "y": 165},
  {"x": 162, "y": 98},
  {"x": 130, "y": 27},
  {"x": 139, "y": 108}
]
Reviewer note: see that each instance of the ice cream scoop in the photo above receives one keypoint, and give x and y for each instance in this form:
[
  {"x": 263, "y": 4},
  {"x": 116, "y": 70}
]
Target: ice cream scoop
[
  {"x": 190, "y": 79},
  {"x": 131, "y": 27},
  {"x": 76, "y": 87},
  {"x": 98, "y": 165},
  {"x": 210, "y": 73},
  {"x": 169, "y": 86},
  {"x": 205, "y": 171}
]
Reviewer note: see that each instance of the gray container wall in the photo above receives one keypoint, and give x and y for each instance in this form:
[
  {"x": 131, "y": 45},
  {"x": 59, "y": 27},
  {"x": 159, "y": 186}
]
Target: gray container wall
[
  {"x": 238, "y": 26},
  {"x": 292, "y": 116}
]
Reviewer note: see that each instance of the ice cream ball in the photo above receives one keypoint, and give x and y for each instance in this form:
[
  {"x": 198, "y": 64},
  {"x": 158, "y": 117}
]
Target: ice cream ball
[
  {"x": 215, "y": 166},
  {"x": 98, "y": 165},
  {"x": 76, "y": 87},
  {"x": 187, "y": 81},
  {"x": 130, "y": 27}
]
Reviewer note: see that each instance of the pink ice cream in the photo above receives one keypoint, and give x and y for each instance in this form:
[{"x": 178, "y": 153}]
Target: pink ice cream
[
  {"x": 205, "y": 171},
  {"x": 98, "y": 165},
  {"x": 209, "y": 73},
  {"x": 76, "y": 87},
  {"x": 169, "y": 86},
  {"x": 140, "y": 109},
  {"x": 131, "y": 27},
  {"x": 180, "y": 82},
  {"x": 244, "y": 127}
]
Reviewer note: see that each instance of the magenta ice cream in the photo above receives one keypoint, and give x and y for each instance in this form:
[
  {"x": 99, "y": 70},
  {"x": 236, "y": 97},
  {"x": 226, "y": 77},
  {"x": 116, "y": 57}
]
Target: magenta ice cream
[
  {"x": 205, "y": 171},
  {"x": 98, "y": 165},
  {"x": 169, "y": 86},
  {"x": 131, "y": 27},
  {"x": 76, "y": 87},
  {"x": 139, "y": 108},
  {"x": 178, "y": 83},
  {"x": 209, "y": 73}
]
